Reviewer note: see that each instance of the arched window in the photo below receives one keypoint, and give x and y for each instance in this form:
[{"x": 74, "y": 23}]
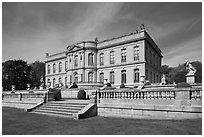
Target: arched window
[
  {"x": 76, "y": 77},
  {"x": 76, "y": 60},
  {"x": 90, "y": 59},
  {"x": 54, "y": 68},
  {"x": 136, "y": 76},
  {"x": 60, "y": 67},
  {"x": 66, "y": 65},
  {"x": 101, "y": 77},
  {"x": 90, "y": 77},
  {"x": 65, "y": 82},
  {"x": 48, "y": 83},
  {"x": 54, "y": 82}
]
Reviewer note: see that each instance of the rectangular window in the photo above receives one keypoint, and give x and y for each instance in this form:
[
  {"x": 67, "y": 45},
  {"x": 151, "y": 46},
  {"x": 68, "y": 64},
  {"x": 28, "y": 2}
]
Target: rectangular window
[
  {"x": 76, "y": 61},
  {"x": 54, "y": 68},
  {"x": 112, "y": 77},
  {"x": 123, "y": 76},
  {"x": 112, "y": 57},
  {"x": 101, "y": 77},
  {"x": 123, "y": 55},
  {"x": 136, "y": 53},
  {"x": 101, "y": 59},
  {"x": 48, "y": 69},
  {"x": 136, "y": 76}
]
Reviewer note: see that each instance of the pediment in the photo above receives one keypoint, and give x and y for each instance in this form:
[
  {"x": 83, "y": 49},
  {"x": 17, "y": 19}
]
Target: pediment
[{"x": 73, "y": 48}]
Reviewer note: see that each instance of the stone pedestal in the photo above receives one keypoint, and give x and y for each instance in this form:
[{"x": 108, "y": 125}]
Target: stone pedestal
[{"x": 190, "y": 78}]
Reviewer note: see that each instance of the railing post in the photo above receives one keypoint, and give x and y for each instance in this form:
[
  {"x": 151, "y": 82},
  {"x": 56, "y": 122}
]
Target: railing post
[{"x": 182, "y": 93}]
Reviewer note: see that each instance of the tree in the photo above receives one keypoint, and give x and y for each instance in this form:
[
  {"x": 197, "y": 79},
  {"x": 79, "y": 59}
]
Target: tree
[
  {"x": 38, "y": 70},
  {"x": 15, "y": 72},
  {"x": 177, "y": 74}
]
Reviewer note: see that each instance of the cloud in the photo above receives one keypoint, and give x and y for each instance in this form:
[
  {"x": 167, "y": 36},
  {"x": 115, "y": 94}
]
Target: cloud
[{"x": 29, "y": 30}]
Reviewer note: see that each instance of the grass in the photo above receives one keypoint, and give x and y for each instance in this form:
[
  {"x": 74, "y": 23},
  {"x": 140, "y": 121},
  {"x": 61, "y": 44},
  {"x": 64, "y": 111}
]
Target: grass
[{"x": 18, "y": 122}]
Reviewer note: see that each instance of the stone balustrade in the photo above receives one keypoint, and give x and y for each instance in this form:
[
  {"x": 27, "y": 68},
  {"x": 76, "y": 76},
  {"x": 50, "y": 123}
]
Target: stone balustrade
[
  {"x": 160, "y": 93},
  {"x": 131, "y": 94}
]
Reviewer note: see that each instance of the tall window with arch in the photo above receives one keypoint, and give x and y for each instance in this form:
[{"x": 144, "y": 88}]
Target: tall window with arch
[
  {"x": 76, "y": 77},
  {"x": 65, "y": 81},
  {"x": 48, "y": 83},
  {"x": 76, "y": 60},
  {"x": 54, "y": 68},
  {"x": 54, "y": 83},
  {"x": 90, "y": 59},
  {"x": 66, "y": 65},
  {"x": 90, "y": 77},
  {"x": 60, "y": 66}
]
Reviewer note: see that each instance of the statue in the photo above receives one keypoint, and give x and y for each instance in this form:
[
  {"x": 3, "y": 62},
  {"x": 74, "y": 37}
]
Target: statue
[
  {"x": 142, "y": 27},
  {"x": 41, "y": 82},
  {"x": 190, "y": 68}
]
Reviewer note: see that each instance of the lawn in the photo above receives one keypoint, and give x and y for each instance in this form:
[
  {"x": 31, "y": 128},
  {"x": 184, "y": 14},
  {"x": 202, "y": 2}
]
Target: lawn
[{"x": 18, "y": 122}]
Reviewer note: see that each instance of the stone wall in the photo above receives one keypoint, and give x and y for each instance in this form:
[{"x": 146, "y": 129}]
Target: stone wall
[{"x": 158, "y": 103}]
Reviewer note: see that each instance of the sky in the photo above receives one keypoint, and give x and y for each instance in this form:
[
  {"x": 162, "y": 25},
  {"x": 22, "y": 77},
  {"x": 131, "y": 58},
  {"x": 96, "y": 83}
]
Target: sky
[{"x": 30, "y": 30}]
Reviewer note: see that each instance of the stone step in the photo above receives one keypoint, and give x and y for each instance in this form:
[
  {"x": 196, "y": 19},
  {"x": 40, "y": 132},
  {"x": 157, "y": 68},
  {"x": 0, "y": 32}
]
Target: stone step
[
  {"x": 71, "y": 101},
  {"x": 58, "y": 110},
  {"x": 66, "y": 105},
  {"x": 63, "y": 107},
  {"x": 53, "y": 114}
]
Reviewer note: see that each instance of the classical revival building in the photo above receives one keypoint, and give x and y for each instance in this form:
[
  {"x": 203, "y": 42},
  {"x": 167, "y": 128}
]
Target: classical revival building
[{"x": 130, "y": 59}]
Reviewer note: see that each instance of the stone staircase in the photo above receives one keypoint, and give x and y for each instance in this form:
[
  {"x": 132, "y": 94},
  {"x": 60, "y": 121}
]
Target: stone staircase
[{"x": 64, "y": 108}]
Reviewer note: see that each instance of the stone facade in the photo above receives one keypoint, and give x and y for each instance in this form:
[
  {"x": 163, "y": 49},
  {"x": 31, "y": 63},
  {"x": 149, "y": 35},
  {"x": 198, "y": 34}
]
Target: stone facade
[{"x": 130, "y": 59}]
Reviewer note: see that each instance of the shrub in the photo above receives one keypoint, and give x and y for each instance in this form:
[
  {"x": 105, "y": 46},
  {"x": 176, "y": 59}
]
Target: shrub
[
  {"x": 135, "y": 86},
  {"x": 108, "y": 84},
  {"x": 74, "y": 85},
  {"x": 147, "y": 83},
  {"x": 183, "y": 85},
  {"x": 31, "y": 92},
  {"x": 81, "y": 94},
  {"x": 122, "y": 85},
  {"x": 56, "y": 94}
]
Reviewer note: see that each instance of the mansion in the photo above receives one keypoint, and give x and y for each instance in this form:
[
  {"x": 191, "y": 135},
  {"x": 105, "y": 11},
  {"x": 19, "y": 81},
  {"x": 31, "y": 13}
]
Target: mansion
[{"x": 130, "y": 59}]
